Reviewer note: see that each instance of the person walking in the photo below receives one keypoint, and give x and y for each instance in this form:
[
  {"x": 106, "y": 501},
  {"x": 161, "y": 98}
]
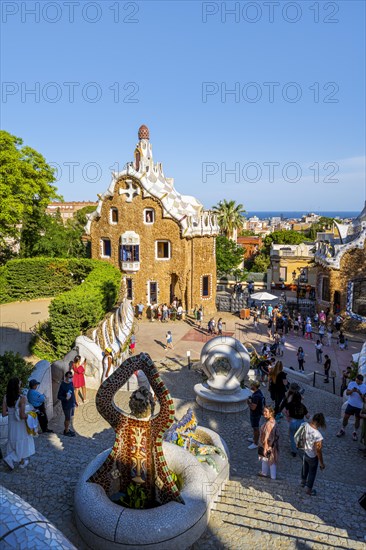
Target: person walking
[
  {"x": 319, "y": 351},
  {"x": 277, "y": 385},
  {"x": 169, "y": 340},
  {"x": 256, "y": 405},
  {"x": 301, "y": 358},
  {"x": 140, "y": 309},
  {"x": 308, "y": 330},
  {"x": 313, "y": 455},
  {"x": 329, "y": 335},
  {"x": 219, "y": 327},
  {"x": 321, "y": 332},
  {"x": 66, "y": 395},
  {"x": 107, "y": 363},
  {"x": 356, "y": 391},
  {"x": 20, "y": 444},
  {"x": 327, "y": 365},
  {"x": 38, "y": 402},
  {"x": 79, "y": 378},
  {"x": 297, "y": 413},
  {"x": 268, "y": 447}
]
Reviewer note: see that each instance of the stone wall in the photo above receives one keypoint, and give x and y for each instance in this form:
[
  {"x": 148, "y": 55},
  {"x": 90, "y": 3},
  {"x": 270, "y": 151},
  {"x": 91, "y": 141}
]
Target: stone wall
[
  {"x": 190, "y": 259},
  {"x": 352, "y": 266}
]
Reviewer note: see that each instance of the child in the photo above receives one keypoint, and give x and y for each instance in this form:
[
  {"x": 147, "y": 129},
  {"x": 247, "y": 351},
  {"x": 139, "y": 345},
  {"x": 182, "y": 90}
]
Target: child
[{"x": 169, "y": 340}]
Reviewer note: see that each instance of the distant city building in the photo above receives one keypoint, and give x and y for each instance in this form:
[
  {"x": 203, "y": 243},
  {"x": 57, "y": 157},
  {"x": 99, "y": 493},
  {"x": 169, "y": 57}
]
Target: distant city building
[
  {"x": 251, "y": 245},
  {"x": 341, "y": 275},
  {"x": 68, "y": 209},
  {"x": 292, "y": 265}
]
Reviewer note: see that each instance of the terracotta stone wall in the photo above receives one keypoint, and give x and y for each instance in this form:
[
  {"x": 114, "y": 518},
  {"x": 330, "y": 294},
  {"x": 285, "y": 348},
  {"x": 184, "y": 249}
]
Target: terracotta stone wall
[
  {"x": 190, "y": 258},
  {"x": 352, "y": 266}
]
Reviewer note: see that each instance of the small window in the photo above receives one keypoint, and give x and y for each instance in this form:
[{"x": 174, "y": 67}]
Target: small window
[
  {"x": 205, "y": 286},
  {"x": 114, "y": 215},
  {"x": 129, "y": 285},
  {"x": 130, "y": 253},
  {"x": 106, "y": 248},
  {"x": 162, "y": 250},
  {"x": 149, "y": 215}
]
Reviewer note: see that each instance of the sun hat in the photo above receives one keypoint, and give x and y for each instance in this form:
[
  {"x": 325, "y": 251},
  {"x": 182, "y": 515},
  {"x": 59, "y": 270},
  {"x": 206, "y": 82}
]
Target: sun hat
[{"x": 109, "y": 350}]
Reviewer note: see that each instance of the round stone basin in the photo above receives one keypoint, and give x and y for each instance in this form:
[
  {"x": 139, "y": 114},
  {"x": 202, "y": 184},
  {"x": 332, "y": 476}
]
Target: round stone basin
[{"x": 105, "y": 525}]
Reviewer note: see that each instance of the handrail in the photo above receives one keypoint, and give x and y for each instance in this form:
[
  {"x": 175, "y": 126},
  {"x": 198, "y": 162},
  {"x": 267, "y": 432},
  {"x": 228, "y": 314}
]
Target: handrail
[{"x": 332, "y": 376}]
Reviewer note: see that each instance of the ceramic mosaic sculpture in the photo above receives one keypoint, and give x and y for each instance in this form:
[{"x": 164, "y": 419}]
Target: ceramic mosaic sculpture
[
  {"x": 185, "y": 433},
  {"x": 137, "y": 455}
]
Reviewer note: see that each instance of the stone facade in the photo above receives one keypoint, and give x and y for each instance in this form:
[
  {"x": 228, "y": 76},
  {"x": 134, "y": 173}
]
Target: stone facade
[
  {"x": 352, "y": 268},
  {"x": 341, "y": 269},
  {"x": 162, "y": 241}
]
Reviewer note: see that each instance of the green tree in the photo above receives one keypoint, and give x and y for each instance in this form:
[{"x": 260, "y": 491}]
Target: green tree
[
  {"x": 25, "y": 178},
  {"x": 13, "y": 365},
  {"x": 45, "y": 235},
  {"x": 282, "y": 237},
  {"x": 260, "y": 263},
  {"x": 228, "y": 255},
  {"x": 247, "y": 233},
  {"x": 229, "y": 216},
  {"x": 323, "y": 224}
]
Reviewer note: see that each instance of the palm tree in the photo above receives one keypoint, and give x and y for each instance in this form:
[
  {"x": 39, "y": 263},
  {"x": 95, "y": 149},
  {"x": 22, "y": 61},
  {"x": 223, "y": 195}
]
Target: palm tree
[{"x": 229, "y": 217}]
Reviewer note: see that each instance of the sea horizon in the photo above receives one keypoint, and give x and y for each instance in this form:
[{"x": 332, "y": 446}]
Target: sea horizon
[{"x": 263, "y": 214}]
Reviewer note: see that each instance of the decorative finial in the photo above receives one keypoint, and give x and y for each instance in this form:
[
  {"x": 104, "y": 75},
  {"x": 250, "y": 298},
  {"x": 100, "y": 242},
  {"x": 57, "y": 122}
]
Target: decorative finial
[{"x": 144, "y": 132}]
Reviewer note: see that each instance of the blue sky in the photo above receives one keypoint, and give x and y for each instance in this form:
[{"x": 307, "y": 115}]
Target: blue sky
[{"x": 171, "y": 63}]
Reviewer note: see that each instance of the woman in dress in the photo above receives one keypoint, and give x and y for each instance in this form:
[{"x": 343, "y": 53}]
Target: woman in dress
[
  {"x": 20, "y": 444},
  {"x": 79, "y": 378},
  {"x": 268, "y": 444}
]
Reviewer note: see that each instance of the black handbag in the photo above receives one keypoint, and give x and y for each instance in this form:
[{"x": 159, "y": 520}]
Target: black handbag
[{"x": 361, "y": 500}]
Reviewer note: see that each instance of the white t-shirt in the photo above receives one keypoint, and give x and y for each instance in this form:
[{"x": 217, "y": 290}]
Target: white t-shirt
[
  {"x": 355, "y": 399},
  {"x": 312, "y": 437}
]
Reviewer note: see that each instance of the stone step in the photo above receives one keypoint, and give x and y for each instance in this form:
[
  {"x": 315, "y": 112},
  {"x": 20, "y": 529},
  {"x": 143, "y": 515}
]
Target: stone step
[{"x": 260, "y": 513}]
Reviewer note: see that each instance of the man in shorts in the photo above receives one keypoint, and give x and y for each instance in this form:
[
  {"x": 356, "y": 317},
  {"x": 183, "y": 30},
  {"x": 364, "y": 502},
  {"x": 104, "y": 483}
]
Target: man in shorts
[
  {"x": 356, "y": 391},
  {"x": 256, "y": 405}
]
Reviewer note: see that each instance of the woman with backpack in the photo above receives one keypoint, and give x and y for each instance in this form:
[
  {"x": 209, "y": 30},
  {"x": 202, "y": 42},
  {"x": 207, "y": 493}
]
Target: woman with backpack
[
  {"x": 312, "y": 441},
  {"x": 297, "y": 413},
  {"x": 268, "y": 447},
  {"x": 301, "y": 358}
]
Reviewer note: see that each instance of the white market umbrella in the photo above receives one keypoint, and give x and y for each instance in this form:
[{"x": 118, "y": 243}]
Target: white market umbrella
[{"x": 263, "y": 296}]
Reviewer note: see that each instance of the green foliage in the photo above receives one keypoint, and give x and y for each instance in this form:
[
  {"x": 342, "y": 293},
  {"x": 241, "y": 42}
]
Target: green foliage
[
  {"x": 45, "y": 235},
  {"x": 283, "y": 237},
  {"x": 323, "y": 224},
  {"x": 73, "y": 313},
  {"x": 229, "y": 216},
  {"x": 177, "y": 480},
  {"x": 13, "y": 365},
  {"x": 33, "y": 278},
  {"x": 260, "y": 263},
  {"x": 25, "y": 177},
  {"x": 135, "y": 497},
  {"x": 228, "y": 255},
  {"x": 247, "y": 233}
]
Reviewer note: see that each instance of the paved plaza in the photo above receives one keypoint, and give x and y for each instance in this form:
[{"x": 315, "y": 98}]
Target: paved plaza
[{"x": 251, "y": 512}]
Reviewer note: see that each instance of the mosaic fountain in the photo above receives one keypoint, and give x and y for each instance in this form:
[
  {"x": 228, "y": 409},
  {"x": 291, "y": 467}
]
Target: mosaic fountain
[{"x": 142, "y": 461}]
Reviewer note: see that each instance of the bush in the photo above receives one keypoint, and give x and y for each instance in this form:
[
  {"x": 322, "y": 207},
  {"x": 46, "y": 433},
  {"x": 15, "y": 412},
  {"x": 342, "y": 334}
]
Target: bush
[
  {"x": 74, "y": 312},
  {"x": 33, "y": 278},
  {"x": 12, "y": 365}
]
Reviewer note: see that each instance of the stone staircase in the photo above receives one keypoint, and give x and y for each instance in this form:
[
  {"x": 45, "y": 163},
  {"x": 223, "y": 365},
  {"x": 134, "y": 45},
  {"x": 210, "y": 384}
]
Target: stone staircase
[{"x": 259, "y": 513}]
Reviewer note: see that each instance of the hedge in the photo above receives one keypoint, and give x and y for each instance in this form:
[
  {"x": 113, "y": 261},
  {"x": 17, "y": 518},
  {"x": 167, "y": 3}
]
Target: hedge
[
  {"x": 73, "y": 312},
  {"x": 33, "y": 278},
  {"x": 85, "y": 290}
]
